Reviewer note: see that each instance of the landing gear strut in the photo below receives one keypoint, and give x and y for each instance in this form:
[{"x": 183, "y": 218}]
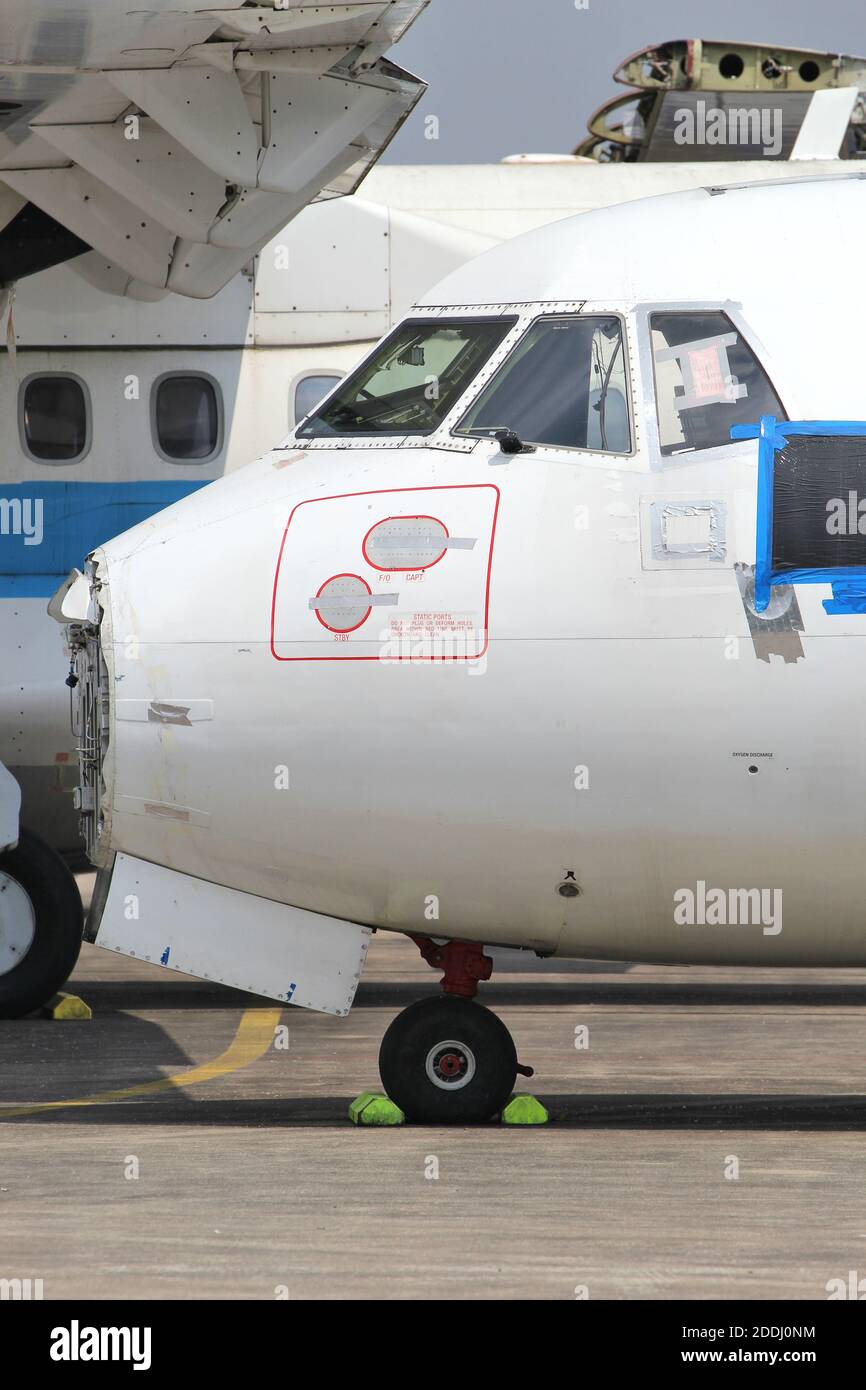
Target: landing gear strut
[{"x": 448, "y": 1060}]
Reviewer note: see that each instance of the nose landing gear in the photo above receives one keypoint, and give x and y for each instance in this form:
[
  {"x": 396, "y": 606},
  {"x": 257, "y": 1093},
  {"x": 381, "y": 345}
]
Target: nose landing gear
[{"x": 449, "y": 1060}]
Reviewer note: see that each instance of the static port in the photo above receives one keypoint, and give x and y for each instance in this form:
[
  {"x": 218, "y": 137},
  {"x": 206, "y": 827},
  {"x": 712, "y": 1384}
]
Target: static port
[{"x": 568, "y": 888}]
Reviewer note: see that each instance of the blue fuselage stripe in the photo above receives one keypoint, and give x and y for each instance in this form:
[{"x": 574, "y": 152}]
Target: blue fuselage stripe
[{"x": 47, "y": 528}]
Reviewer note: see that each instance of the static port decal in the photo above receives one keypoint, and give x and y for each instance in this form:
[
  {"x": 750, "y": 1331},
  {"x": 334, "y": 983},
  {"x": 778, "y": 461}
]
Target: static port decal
[
  {"x": 343, "y": 603},
  {"x": 405, "y": 543},
  {"x": 393, "y": 574}
]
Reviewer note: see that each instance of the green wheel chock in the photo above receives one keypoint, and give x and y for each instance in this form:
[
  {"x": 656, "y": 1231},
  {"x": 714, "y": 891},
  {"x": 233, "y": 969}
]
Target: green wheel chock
[
  {"x": 524, "y": 1110},
  {"x": 372, "y": 1109},
  {"x": 66, "y": 1006}
]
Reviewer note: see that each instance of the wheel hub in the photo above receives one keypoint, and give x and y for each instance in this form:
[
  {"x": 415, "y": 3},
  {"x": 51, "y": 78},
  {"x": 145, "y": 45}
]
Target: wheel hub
[
  {"x": 17, "y": 923},
  {"x": 450, "y": 1065}
]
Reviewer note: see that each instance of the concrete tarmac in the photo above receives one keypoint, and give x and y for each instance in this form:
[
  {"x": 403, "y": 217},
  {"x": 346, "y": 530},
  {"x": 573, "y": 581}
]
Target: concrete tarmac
[{"x": 708, "y": 1140}]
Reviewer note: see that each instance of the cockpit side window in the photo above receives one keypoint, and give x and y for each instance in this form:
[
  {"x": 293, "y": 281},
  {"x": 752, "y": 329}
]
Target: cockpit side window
[
  {"x": 412, "y": 380},
  {"x": 564, "y": 385},
  {"x": 706, "y": 379}
]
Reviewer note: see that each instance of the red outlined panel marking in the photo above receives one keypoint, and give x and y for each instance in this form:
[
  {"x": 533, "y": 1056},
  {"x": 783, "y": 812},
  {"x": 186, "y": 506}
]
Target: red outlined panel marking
[{"x": 436, "y": 609}]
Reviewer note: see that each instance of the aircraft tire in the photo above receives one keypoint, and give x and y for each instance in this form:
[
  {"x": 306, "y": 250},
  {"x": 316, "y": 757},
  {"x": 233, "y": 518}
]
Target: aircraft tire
[
  {"x": 41, "y": 925},
  {"x": 448, "y": 1060}
]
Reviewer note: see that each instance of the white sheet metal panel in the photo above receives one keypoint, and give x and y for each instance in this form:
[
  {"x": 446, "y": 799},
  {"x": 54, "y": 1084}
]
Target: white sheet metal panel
[
  {"x": 152, "y": 170},
  {"x": 292, "y": 125},
  {"x": 421, "y": 250},
  {"x": 503, "y": 200},
  {"x": 333, "y": 259},
  {"x": 90, "y": 33},
  {"x": 310, "y": 329},
  {"x": 200, "y": 271},
  {"x": 10, "y": 806},
  {"x": 205, "y": 110},
  {"x": 11, "y": 204},
  {"x": 313, "y": 119},
  {"x": 347, "y": 268},
  {"x": 824, "y": 126},
  {"x": 107, "y": 222},
  {"x": 232, "y": 938},
  {"x": 254, "y": 215},
  {"x": 302, "y": 23},
  {"x": 314, "y": 61},
  {"x": 100, "y": 312}
]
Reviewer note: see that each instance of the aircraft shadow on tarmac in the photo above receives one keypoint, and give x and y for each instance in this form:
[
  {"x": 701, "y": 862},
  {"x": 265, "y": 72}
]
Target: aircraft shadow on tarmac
[
  {"x": 633, "y": 994},
  {"x": 43, "y": 1062},
  {"x": 671, "y": 1111},
  {"x": 120, "y": 1049},
  {"x": 113, "y": 996}
]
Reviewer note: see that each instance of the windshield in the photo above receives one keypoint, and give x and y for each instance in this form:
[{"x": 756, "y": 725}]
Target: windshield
[
  {"x": 412, "y": 381},
  {"x": 564, "y": 385}
]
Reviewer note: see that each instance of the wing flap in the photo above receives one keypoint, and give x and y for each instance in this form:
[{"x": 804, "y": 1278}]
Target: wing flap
[{"x": 176, "y": 164}]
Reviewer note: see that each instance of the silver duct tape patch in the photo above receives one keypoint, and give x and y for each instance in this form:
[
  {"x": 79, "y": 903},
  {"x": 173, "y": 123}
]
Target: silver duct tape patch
[
  {"x": 682, "y": 532},
  {"x": 777, "y": 631},
  {"x": 423, "y": 542},
  {"x": 176, "y": 712},
  {"x": 348, "y": 603}
]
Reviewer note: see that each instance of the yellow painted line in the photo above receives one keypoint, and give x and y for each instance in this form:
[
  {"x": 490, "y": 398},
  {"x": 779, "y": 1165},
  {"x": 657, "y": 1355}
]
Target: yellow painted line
[{"x": 254, "y": 1035}]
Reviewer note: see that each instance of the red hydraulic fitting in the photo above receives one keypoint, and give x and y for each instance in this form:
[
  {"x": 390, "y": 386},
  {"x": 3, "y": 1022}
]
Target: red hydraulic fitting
[{"x": 463, "y": 962}]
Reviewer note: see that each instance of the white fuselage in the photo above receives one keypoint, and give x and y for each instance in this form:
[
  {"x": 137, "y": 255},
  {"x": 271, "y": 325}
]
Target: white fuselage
[
  {"x": 459, "y": 779},
  {"x": 304, "y": 311},
  {"x": 616, "y": 726}
]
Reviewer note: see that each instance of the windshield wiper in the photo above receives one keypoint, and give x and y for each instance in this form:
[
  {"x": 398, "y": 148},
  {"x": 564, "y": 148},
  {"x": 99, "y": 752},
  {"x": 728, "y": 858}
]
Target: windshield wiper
[{"x": 602, "y": 396}]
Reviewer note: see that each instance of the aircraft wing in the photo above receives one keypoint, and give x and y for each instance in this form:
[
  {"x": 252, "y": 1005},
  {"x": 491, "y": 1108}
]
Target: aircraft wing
[{"x": 175, "y": 141}]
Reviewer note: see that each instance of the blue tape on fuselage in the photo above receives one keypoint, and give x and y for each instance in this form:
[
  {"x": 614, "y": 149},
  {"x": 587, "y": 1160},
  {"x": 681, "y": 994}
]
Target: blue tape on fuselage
[
  {"x": 764, "y": 528},
  {"x": 849, "y": 582}
]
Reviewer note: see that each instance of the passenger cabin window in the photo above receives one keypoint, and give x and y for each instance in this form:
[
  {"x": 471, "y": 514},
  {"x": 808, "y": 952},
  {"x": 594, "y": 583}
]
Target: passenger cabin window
[
  {"x": 186, "y": 418},
  {"x": 564, "y": 385},
  {"x": 309, "y": 391},
  {"x": 412, "y": 381},
  {"x": 54, "y": 418},
  {"x": 707, "y": 379}
]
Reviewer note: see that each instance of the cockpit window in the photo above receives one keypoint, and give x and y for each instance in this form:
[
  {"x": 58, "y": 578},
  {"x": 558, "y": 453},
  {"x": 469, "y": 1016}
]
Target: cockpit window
[
  {"x": 707, "y": 378},
  {"x": 413, "y": 380},
  {"x": 564, "y": 385}
]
